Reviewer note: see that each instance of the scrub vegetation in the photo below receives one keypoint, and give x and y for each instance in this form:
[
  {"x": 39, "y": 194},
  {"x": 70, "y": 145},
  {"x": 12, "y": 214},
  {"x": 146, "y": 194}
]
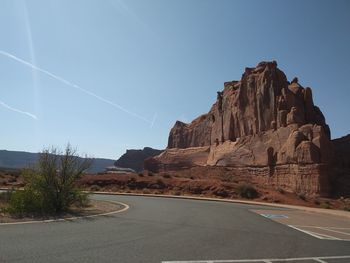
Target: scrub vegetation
[{"x": 50, "y": 187}]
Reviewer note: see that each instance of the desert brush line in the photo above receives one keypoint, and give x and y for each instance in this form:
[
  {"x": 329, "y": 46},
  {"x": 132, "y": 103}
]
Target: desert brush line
[
  {"x": 73, "y": 85},
  {"x": 3, "y": 104}
]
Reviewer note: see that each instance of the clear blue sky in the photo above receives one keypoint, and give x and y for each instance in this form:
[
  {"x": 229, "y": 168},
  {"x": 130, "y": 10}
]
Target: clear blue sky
[{"x": 117, "y": 64}]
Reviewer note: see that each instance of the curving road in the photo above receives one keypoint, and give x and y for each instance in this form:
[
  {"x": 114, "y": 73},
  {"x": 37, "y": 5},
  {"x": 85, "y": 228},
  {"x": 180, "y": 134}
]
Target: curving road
[{"x": 164, "y": 229}]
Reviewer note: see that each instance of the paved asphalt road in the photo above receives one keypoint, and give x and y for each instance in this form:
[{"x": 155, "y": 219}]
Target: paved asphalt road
[{"x": 162, "y": 229}]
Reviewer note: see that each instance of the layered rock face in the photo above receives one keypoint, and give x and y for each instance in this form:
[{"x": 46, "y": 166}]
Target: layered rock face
[
  {"x": 262, "y": 100},
  {"x": 341, "y": 166},
  {"x": 263, "y": 120}
]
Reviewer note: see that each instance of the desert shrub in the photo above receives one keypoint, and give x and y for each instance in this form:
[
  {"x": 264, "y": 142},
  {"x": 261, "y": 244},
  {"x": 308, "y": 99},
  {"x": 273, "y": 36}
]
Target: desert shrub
[
  {"x": 302, "y": 196},
  {"x": 12, "y": 180},
  {"x": 281, "y": 190},
  {"x": 51, "y": 185},
  {"x": 317, "y": 202},
  {"x": 177, "y": 193},
  {"x": 160, "y": 181},
  {"x": 150, "y": 173},
  {"x": 81, "y": 199},
  {"x": 27, "y": 201},
  {"x": 247, "y": 191},
  {"x": 132, "y": 180},
  {"x": 141, "y": 174},
  {"x": 195, "y": 190},
  {"x": 326, "y": 205},
  {"x": 167, "y": 175},
  {"x": 6, "y": 196},
  {"x": 146, "y": 191},
  {"x": 221, "y": 193},
  {"x": 95, "y": 188}
]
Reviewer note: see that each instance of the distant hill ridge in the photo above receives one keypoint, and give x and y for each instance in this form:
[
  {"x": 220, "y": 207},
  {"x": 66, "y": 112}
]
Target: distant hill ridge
[{"x": 20, "y": 159}]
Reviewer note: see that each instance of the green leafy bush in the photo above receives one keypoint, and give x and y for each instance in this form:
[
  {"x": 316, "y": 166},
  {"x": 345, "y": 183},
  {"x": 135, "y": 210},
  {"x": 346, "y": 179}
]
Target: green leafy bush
[
  {"x": 25, "y": 202},
  {"x": 50, "y": 186},
  {"x": 247, "y": 191}
]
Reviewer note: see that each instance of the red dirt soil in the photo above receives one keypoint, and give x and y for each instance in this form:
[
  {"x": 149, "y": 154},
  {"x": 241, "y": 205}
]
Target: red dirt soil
[
  {"x": 209, "y": 182},
  {"x": 215, "y": 182}
]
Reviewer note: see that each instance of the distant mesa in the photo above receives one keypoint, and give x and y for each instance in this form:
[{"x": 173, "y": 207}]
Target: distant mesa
[
  {"x": 262, "y": 126},
  {"x": 19, "y": 159},
  {"x": 134, "y": 159}
]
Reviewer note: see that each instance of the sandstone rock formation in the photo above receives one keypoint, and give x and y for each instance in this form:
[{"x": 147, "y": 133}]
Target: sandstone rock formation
[
  {"x": 341, "y": 167},
  {"x": 261, "y": 101},
  {"x": 263, "y": 122},
  {"x": 134, "y": 158}
]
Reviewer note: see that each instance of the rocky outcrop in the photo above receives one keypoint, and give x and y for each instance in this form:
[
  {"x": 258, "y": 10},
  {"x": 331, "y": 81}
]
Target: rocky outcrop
[
  {"x": 134, "y": 159},
  {"x": 263, "y": 122},
  {"x": 262, "y": 100},
  {"x": 341, "y": 166},
  {"x": 175, "y": 159}
]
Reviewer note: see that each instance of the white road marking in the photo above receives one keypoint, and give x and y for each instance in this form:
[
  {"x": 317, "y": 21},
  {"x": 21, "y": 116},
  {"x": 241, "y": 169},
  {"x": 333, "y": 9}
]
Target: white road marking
[
  {"x": 335, "y": 231},
  {"x": 271, "y": 216},
  {"x": 324, "y": 236},
  {"x": 331, "y": 227},
  {"x": 306, "y": 232},
  {"x": 319, "y": 235},
  {"x": 317, "y": 259},
  {"x": 126, "y": 207}
]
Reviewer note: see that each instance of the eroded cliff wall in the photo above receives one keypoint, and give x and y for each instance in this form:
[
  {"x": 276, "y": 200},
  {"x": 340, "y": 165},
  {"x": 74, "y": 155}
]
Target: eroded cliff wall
[{"x": 263, "y": 125}]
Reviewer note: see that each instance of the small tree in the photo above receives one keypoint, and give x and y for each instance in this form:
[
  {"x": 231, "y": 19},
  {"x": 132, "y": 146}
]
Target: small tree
[{"x": 50, "y": 186}]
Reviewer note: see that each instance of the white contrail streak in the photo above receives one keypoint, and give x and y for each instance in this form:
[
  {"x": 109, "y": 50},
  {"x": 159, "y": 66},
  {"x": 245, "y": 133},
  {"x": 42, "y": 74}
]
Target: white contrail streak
[
  {"x": 18, "y": 111},
  {"x": 68, "y": 83},
  {"x": 154, "y": 119}
]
